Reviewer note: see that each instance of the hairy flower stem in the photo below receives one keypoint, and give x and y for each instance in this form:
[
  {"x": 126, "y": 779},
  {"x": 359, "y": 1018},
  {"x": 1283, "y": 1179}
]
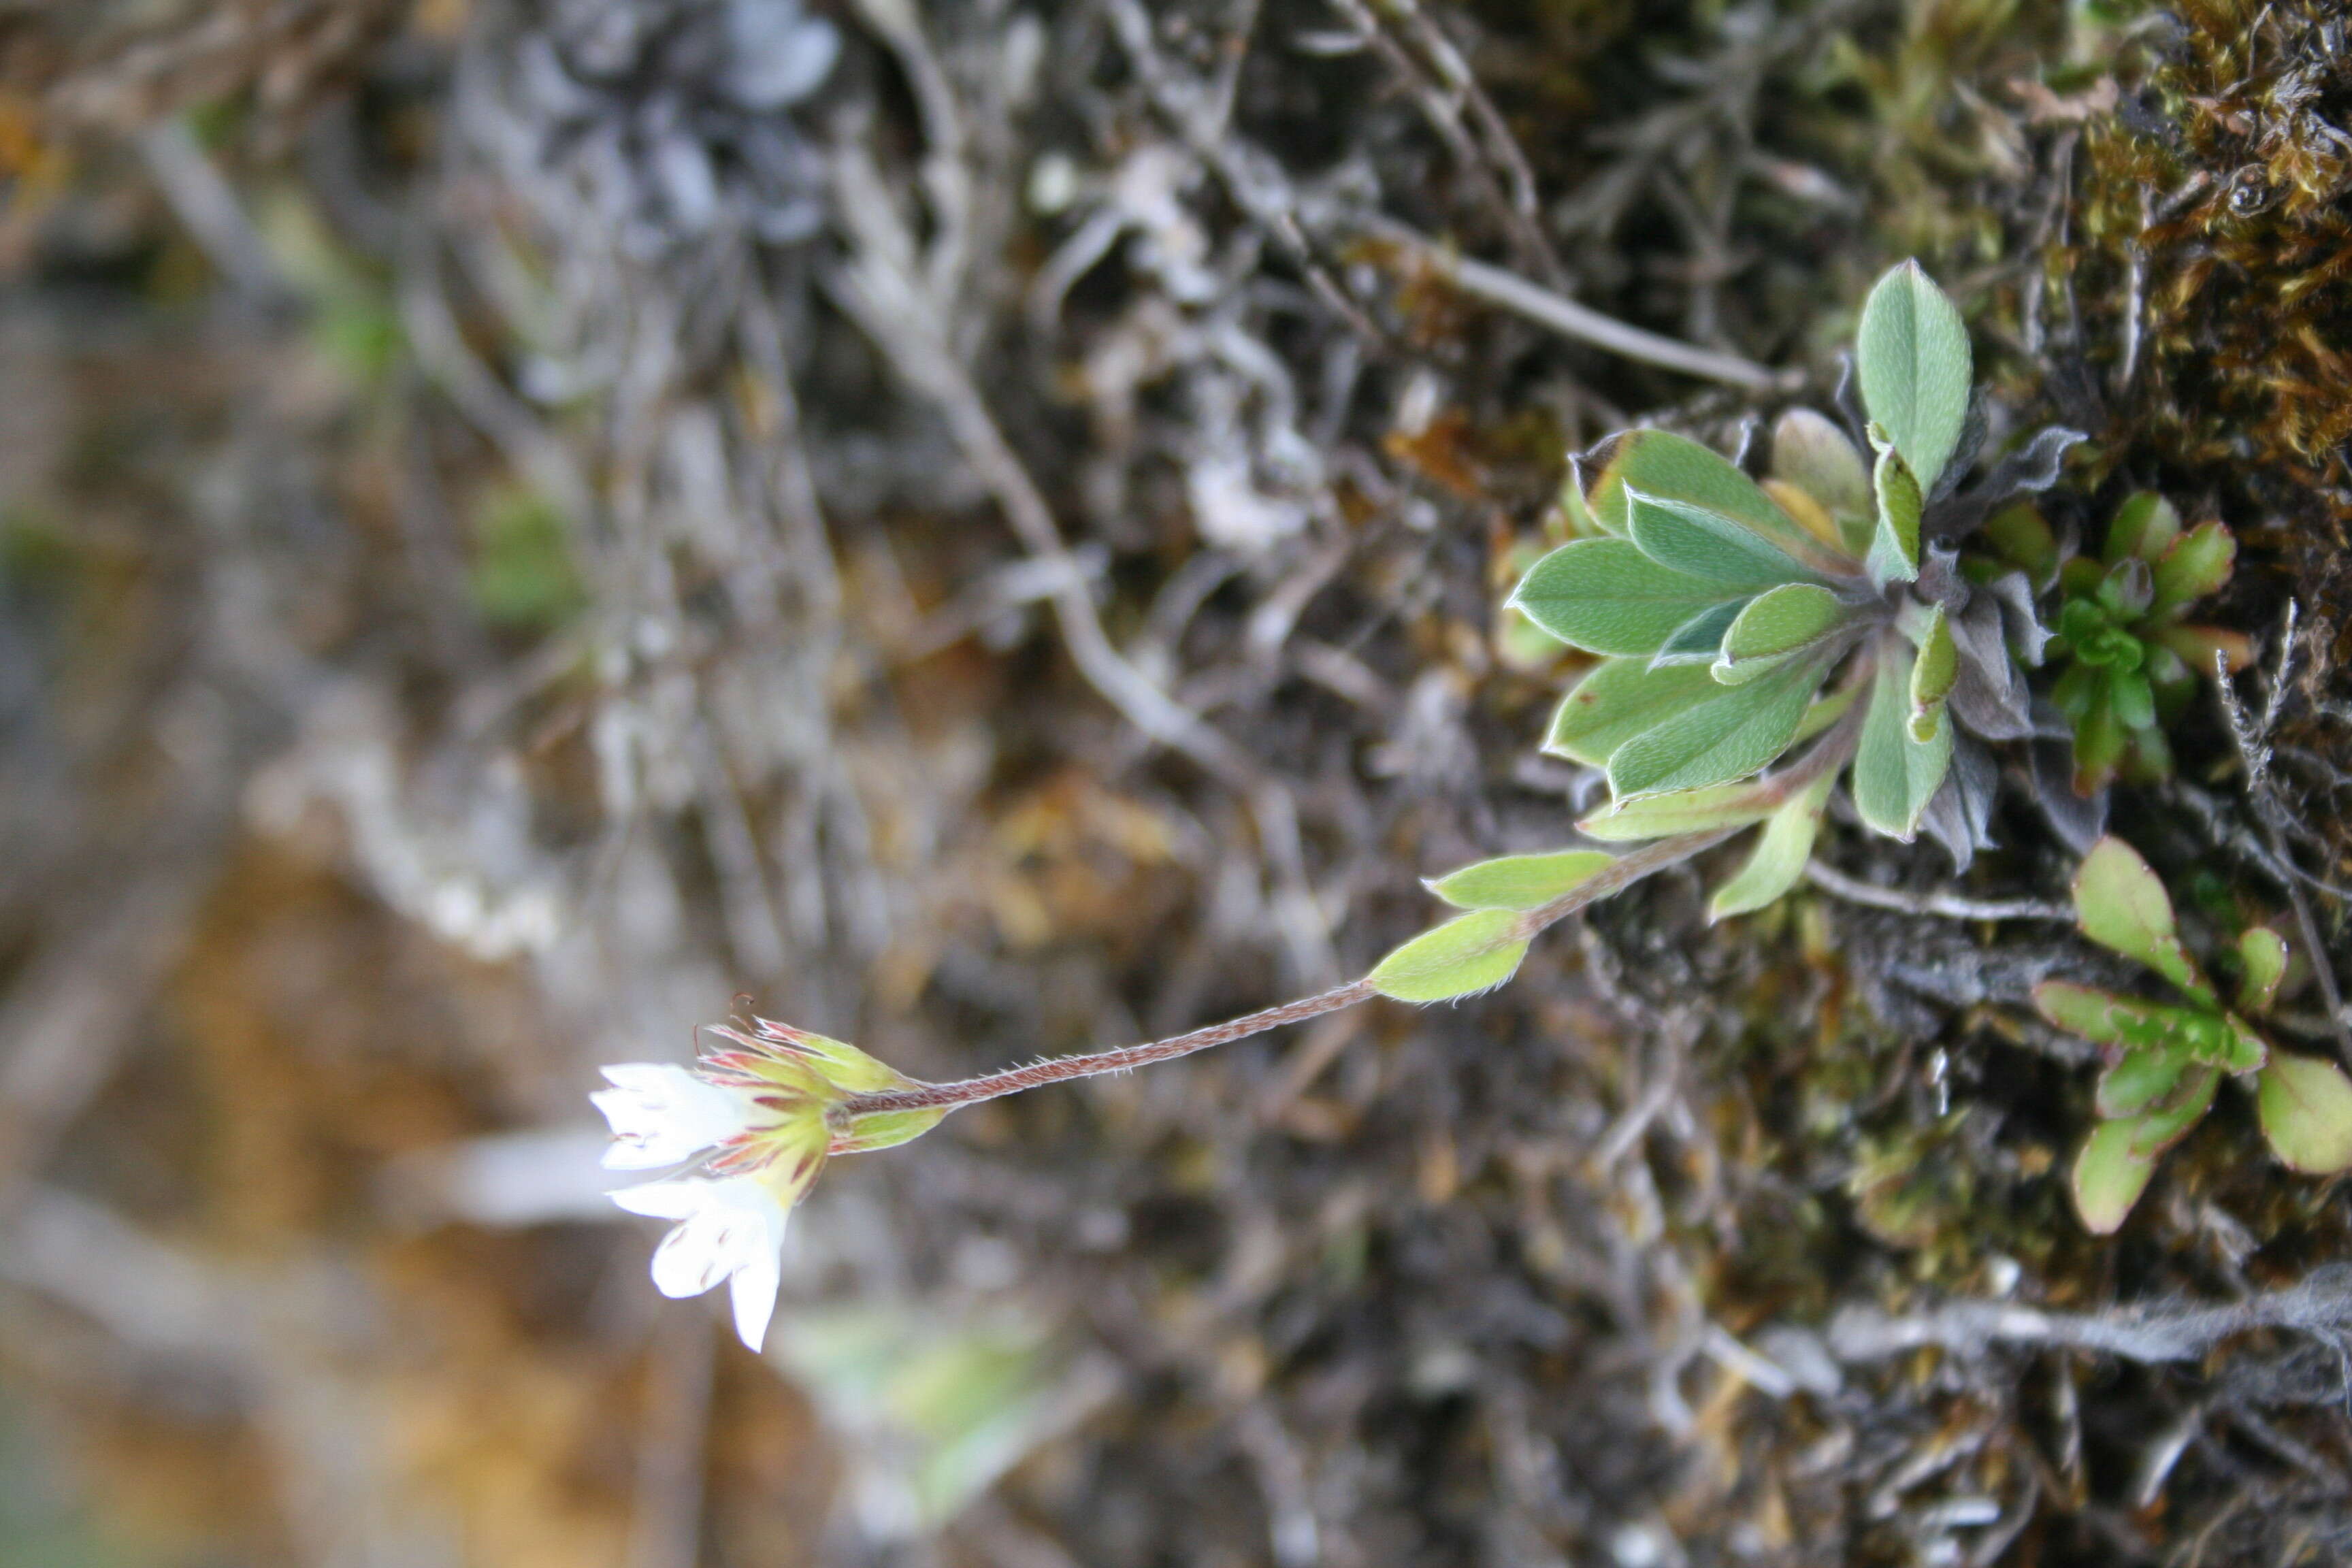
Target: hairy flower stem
[
  {"x": 1628, "y": 870},
  {"x": 1012, "y": 1080}
]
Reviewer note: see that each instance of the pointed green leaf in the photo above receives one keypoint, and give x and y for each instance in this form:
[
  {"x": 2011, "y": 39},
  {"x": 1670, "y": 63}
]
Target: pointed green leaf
[
  {"x": 1895, "y": 775},
  {"x": 1776, "y": 625},
  {"x": 2122, "y": 906},
  {"x": 1684, "y": 811},
  {"x": 2264, "y": 952},
  {"x": 1701, "y": 543},
  {"x": 1673, "y": 468},
  {"x": 1476, "y": 951},
  {"x": 1605, "y": 596},
  {"x": 1894, "y": 543},
  {"x": 1519, "y": 881},
  {"x": 1619, "y": 699},
  {"x": 1740, "y": 731},
  {"x": 2197, "y": 563},
  {"x": 1700, "y": 639},
  {"x": 2109, "y": 1176},
  {"x": 2305, "y": 1107},
  {"x": 1912, "y": 358},
  {"x": 1813, "y": 454},
  {"x": 1934, "y": 670},
  {"x": 2137, "y": 1080},
  {"x": 1781, "y": 851}
]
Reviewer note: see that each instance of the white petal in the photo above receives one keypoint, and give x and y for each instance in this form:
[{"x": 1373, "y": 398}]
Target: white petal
[
  {"x": 663, "y": 1200},
  {"x": 693, "y": 1257},
  {"x": 752, "y": 1293},
  {"x": 663, "y": 1114}
]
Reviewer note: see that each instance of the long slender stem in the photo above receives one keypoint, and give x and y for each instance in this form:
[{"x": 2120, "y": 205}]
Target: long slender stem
[
  {"x": 1012, "y": 1080},
  {"x": 1829, "y": 751}
]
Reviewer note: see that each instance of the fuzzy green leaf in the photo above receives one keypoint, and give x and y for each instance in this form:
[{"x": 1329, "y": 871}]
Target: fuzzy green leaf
[
  {"x": 1894, "y": 543},
  {"x": 2263, "y": 954},
  {"x": 2197, "y": 564},
  {"x": 1701, "y": 543},
  {"x": 1519, "y": 881},
  {"x": 2305, "y": 1107},
  {"x": 1781, "y": 851},
  {"x": 1619, "y": 699},
  {"x": 1934, "y": 669},
  {"x": 1699, "y": 640},
  {"x": 1895, "y": 775},
  {"x": 1740, "y": 731},
  {"x": 1814, "y": 455},
  {"x": 2122, "y": 906},
  {"x": 1476, "y": 951},
  {"x": 1683, "y": 811},
  {"x": 1776, "y": 625},
  {"x": 1673, "y": 468},
  {"x": 1605, "y": 596},
  {"x": 1911, "y": 357}
]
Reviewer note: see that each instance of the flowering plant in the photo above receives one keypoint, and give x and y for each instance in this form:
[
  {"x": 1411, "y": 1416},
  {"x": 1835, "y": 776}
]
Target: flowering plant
[{"x": 752, "y": 1123}]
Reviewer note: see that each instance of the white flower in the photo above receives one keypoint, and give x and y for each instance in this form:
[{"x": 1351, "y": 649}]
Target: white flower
[
  {"x": 732, "y": 1229},
  {"x": 662, "y": 1114},
  {"x": 754, "y": 1122}
]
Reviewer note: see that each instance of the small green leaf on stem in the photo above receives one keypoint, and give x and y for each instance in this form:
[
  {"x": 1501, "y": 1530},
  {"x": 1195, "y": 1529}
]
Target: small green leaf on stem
[
  {"x": 1895, "y": 544},
  {"x": 1476, "y": 951},
  {"x": 2136, "y": 1080},
  {"x": 2122, "y": 906},
  {"x": 1605, "y": 596},
  {"x": 1814, "y": 455},
  {"x": 2109, "y": 1176},
  {"x": 2196, "y": 565},
  {"x": 1738, "y": 732},
  {"x": 1933, "y": 672},
  {"x": 1776, "y": 626},
  {"x": 1683, "y": 811},
  {"x": 1781, "y": 851},
  {"x": 2306, "y": 1105},
  {"x": 1519, "y": 881},
  {"x": 1621, "y": 699},
  {"x": 2120, "y": 1156},
  {"x": 2263, "y": 954},
  {"x": 1896, "y": 775},
  {"x": 1676, "y": 469},
  {"x": 1912, "y": 358},
  {"x": 1701, "y": 543}
]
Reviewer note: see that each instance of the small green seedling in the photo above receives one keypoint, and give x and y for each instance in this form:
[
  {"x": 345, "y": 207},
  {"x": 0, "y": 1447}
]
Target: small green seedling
[
  {"x": 2133, "y": 660},
  {"x": 2165, "y": 1061}
]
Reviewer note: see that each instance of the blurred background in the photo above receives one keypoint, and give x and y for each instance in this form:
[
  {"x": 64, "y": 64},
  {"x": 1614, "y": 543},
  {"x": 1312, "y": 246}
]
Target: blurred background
[{"x": 979, "y": 525}]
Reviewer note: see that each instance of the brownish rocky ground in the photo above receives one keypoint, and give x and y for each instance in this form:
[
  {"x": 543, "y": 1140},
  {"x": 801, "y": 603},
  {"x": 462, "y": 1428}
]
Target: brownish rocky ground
[{"x": 981, "y": 527}]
